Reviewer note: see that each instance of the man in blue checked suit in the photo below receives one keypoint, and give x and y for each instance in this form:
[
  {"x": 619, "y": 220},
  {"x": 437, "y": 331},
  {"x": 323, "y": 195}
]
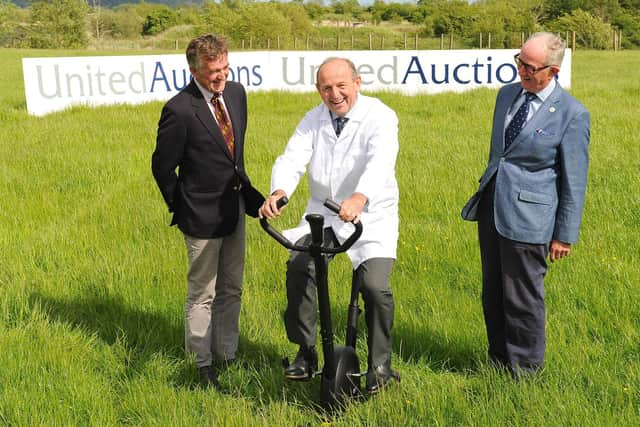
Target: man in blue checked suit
[{"x": 529, "y": 202}]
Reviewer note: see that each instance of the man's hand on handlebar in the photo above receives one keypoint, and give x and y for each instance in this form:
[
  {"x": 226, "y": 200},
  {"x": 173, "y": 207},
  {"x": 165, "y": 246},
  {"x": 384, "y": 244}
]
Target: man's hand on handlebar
[
  {"x": 351, "y": 208},
  {"x": 269, "y": 208}
]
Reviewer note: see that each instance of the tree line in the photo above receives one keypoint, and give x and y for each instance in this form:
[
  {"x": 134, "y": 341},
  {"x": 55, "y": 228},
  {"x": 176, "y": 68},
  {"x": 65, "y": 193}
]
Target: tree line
[{"x": 84, "y": 23}]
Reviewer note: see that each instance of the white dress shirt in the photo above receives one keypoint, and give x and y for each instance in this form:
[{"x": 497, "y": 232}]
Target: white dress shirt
[
  {"x": 534, "y": 105},
  {"x": 361, "y": 160}
]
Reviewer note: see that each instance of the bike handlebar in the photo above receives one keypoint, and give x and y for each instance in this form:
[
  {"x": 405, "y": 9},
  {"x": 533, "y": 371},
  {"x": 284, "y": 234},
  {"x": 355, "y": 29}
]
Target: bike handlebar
[{"x": 329, "y": 204}]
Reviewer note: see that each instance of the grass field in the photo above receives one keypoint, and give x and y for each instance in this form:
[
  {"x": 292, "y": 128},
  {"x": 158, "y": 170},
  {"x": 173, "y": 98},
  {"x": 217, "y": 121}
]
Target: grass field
[{"x": 92, "y": 280}]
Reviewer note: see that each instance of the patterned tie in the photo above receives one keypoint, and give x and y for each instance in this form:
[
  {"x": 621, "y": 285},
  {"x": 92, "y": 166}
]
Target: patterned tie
[
  {"x": 223, "y": 121},
  {"x": 340, "y": 122},
  {"x": 518, "y": 120}
]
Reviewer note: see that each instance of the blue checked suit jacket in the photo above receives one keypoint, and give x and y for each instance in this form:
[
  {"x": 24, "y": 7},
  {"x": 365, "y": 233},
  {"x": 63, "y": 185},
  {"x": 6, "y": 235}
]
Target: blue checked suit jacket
[{"x": 541, "y": 178}]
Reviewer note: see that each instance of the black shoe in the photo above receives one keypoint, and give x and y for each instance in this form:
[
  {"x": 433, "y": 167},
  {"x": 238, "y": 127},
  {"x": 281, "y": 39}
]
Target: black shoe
[
  {"x": 304, "y": 366},
  {"x": 208, "y": 378},
  {"x": 379, "y": 377}
]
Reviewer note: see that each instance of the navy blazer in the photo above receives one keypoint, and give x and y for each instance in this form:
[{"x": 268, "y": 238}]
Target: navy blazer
[
  {"x": 199, "y": 179},
  {"x": 541, "y": 178}
]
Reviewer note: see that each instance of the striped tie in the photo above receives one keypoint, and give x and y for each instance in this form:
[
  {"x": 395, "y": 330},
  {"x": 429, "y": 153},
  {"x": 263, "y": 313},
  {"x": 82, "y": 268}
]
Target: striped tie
[{"x": 223, "y": 121}]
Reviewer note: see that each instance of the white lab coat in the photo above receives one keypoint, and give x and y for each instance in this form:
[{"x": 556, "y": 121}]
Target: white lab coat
[{"x": 361, "y": 160}]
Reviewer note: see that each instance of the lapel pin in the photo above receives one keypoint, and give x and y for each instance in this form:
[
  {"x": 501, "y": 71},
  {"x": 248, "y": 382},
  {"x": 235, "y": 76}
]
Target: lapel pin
[{"x": 552, "y": 109}]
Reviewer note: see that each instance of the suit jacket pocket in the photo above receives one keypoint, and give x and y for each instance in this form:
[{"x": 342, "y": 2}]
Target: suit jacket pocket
[
  {"x": 214, "y": 194},
  {"x": 533, "y": 212},
  {"x": 531, "y": 197},
  {"x": 203, "y": 207}
]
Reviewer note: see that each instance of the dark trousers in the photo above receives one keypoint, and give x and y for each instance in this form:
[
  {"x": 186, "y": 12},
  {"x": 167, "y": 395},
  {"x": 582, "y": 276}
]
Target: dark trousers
[
  {"x": 512, "y": 293},
  {"x": 372, "y": 278}
]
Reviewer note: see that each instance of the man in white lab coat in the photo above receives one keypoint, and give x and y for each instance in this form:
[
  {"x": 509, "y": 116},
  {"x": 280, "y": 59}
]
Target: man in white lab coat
[{"x": 350, "y": 145}]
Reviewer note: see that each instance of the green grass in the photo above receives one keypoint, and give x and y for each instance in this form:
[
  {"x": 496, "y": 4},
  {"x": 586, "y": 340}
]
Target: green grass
[{"x": 92, "y": 280}]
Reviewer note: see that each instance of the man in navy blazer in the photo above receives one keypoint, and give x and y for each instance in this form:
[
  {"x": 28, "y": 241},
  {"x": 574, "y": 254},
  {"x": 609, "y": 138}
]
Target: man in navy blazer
[
  {"x": 203, "y": 181},
  {"x": 529, "y": 202}
]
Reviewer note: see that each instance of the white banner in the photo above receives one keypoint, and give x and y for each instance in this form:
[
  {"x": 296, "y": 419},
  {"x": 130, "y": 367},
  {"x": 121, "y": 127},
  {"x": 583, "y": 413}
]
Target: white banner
[{"x": 53, "y": 84}]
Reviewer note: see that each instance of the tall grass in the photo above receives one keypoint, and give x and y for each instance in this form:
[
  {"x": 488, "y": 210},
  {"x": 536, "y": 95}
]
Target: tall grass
[{"x": 92, "y": 280}]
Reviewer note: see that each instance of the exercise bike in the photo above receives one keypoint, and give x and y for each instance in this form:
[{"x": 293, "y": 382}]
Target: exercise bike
[{"x": 341, "y": 372}]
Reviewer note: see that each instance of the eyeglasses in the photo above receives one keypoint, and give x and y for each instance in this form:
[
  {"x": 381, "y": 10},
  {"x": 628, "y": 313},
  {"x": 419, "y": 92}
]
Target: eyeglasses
[{"x": 527, "y": 67}]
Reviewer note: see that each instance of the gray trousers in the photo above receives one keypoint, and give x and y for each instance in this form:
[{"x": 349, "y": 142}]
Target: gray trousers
[
  {"x": 372, "y": 278},
  {"x": 512, "y": 293},
  {"x": 214, "y": 290}
]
